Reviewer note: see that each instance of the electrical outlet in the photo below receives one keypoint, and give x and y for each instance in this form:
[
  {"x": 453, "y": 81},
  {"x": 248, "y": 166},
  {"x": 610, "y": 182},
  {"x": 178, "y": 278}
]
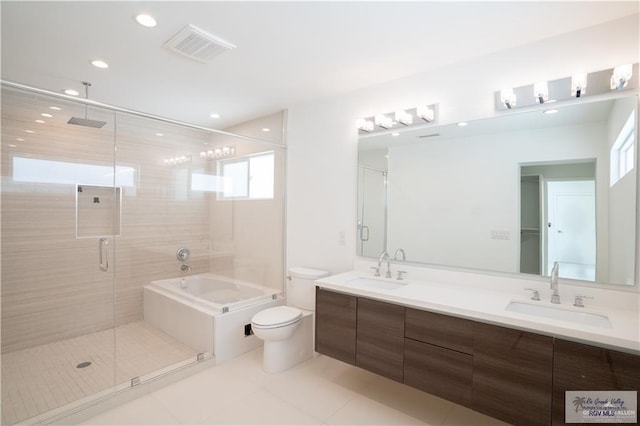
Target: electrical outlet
[{"x": 500, "y": 234}]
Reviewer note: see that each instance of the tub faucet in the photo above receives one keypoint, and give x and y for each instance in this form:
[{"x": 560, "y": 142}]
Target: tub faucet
[
  {"x": 398, "y": 253},
  {"x": 555, "y": 296},
  {"x": 185, "y": 268},
  {"x": 384, "y": 255}
]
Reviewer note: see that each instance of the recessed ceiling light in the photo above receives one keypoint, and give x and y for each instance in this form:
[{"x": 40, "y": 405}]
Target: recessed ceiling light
[
  {"x": 462, "y": 123},
  {"x": 215, "y": 115},
  {"x": 55, "y": 108},
  {"x": 159, "y": 134},
  {"x": 44, "y": 114},
  {"x": 12, "y": 146},
  {"x": 395, "y": 134},
  {"x": 146, "y": 20},
  {"x": 99, "y": 64},
  {"x": 20, "y": 139},
  {"x": 71, "y": 92},
  {"x": 266, "y": 129},
  {"x": 29, "y": 131},
  {"x": 40, "y": 121},
  {"x": 550, "y": 111}
]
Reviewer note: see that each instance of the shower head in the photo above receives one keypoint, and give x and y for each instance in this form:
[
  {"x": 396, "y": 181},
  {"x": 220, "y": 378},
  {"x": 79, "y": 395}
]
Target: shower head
[{"x": 85, "y": 121}]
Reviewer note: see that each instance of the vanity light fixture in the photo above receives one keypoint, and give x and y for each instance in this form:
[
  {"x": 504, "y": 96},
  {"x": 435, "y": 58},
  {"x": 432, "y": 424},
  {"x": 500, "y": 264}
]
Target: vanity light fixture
[
  {"x": 390, "y": 122},
  {"x": 621, "y": 76},
  {"x": 219, "y": 152},
  {"x": 177, "y": 161},
  {"x": 383, "y": 121},
  {"x": 508, "y": 97},
  {"x": 541, "y": 91},
  {"x": 404, "y": 118},
  {"x": 578, "y": 84},
  {"x": 426, "y": 113},
  {"x": 365, "y": 125}
]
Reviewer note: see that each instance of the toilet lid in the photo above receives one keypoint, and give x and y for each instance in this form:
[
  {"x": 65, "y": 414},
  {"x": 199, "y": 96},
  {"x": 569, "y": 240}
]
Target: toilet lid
[{"x": 276, "y": 317}]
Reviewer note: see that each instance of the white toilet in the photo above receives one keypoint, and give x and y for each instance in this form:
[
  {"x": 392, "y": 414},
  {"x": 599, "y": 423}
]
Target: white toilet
[{"x": 287, "y": 331}]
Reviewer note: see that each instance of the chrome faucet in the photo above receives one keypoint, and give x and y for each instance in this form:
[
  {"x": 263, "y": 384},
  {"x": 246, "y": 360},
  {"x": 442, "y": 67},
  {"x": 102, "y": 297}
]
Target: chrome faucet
[
  {"x": 384, "y": 255},
  {"x": 555, "y": 296},
  {"x": 185, "y": 268},
  {"x": 399, "y": 252}
]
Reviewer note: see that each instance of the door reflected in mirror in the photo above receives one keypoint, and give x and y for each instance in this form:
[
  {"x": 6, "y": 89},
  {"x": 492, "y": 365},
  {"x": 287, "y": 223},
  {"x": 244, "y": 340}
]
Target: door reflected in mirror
[{"x": 509, "y": 194}]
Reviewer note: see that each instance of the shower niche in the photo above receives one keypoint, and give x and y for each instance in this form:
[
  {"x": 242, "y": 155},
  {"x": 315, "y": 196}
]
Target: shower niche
[{"x": 98, "y": 211}]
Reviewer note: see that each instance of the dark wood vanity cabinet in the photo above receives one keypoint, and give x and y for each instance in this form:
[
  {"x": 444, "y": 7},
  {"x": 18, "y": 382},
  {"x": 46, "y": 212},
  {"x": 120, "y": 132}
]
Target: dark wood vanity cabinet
[
  {"x": 380, "y": 338},
  {"x": 438, "y": 355},
  {"x": 336, "y": 325},
  {"x": 579, "y": 367},
  {"x": 512, "y": 374}
]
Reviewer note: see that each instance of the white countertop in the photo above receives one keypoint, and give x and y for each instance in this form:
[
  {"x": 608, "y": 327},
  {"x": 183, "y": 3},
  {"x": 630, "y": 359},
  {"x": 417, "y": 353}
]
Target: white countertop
[{"x": 487, "y": 304}]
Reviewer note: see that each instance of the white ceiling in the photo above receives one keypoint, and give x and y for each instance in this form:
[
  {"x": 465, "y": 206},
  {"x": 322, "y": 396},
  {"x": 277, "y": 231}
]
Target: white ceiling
[{"x": 287, "y": 52}]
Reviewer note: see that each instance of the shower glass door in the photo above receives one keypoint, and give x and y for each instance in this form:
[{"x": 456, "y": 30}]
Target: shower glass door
[{"x": 59, "y": 224}]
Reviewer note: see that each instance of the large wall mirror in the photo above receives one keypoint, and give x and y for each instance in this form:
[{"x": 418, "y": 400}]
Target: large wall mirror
[{"x": 513, "y": 193}]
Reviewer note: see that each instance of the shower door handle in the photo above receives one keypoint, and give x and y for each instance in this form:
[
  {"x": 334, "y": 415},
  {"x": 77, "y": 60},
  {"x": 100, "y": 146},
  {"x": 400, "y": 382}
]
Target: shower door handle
[
  {"x": 103, "y": 254},
  {"x": 364, "y": 231}
]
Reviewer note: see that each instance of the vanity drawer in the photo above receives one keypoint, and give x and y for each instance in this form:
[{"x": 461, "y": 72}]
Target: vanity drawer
[
  {"x": 440, "y": 330},
  {"x": 439, "y": 371}
]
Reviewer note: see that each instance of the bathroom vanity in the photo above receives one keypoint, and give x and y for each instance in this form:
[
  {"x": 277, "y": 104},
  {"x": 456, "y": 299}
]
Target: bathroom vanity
[{"x": 482, "y": 357}]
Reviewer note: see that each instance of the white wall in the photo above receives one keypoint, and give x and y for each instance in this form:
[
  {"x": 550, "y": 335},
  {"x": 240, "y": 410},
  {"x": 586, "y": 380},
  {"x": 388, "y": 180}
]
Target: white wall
[{"x": 322, "y": 139}]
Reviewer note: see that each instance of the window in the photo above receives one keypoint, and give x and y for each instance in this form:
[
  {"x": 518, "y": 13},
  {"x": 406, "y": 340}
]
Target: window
[
  {"x": 623, "y": 151},
  {"x": 249, "y": 178},
  {"x": 36, "y": 170}
]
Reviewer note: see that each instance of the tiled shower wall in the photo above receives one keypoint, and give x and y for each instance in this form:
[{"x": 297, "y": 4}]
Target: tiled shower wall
[{"x": 52, "y": 287}]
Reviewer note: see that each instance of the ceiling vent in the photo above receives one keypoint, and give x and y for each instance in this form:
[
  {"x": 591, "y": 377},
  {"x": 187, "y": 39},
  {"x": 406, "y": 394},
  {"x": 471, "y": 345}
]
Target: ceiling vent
[{"x": 198, "y": 45}]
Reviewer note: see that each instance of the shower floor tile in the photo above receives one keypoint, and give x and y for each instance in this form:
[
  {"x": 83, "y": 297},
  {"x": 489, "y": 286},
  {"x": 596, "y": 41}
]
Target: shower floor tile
[{"x": 42, "y": 378}]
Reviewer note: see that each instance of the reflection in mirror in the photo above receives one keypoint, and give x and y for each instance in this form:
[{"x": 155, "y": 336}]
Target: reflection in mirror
[{"x": 510, "y": 194}]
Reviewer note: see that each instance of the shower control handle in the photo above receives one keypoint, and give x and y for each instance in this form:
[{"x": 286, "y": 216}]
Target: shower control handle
[
  {"x": 183, "y": 254},
  {"x": 103, "y": 254}
]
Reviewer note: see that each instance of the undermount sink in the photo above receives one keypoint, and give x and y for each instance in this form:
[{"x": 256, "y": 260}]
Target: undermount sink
[
  {"x": 377, "y": 283},
  {"x": 559, "y": 313}
]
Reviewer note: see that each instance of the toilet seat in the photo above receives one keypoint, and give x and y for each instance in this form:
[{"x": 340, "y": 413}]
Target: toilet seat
[{"x": 279, "y": 316}]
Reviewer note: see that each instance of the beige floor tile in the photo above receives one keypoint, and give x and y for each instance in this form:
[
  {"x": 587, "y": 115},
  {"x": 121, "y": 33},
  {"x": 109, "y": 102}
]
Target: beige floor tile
[
  {"x": 364, "y": 411},
  {"x": 194, "y": 399},
  {"x": 261, "y": 408},
  {"x": 461, "y": 416},
  {"x": 142, "y": 411},
  {"x": 311, "y": 393}
]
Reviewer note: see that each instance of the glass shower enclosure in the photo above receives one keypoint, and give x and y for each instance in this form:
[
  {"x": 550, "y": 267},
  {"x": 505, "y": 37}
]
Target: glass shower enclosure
[{"x": 96, "y": 201}]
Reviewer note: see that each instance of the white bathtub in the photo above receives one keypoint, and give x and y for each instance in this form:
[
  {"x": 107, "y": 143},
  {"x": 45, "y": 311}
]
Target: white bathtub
[{"x": 208, "y": 312}]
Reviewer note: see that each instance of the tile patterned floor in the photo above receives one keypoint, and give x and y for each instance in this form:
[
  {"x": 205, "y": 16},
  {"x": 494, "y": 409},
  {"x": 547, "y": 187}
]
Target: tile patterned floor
[
  {"x": 321, "y": 391},
  {"x": 39, "y": 379}
]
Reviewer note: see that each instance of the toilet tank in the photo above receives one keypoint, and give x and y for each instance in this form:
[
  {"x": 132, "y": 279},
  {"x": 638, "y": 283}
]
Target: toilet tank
[{"x": 301, "y": 290}]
